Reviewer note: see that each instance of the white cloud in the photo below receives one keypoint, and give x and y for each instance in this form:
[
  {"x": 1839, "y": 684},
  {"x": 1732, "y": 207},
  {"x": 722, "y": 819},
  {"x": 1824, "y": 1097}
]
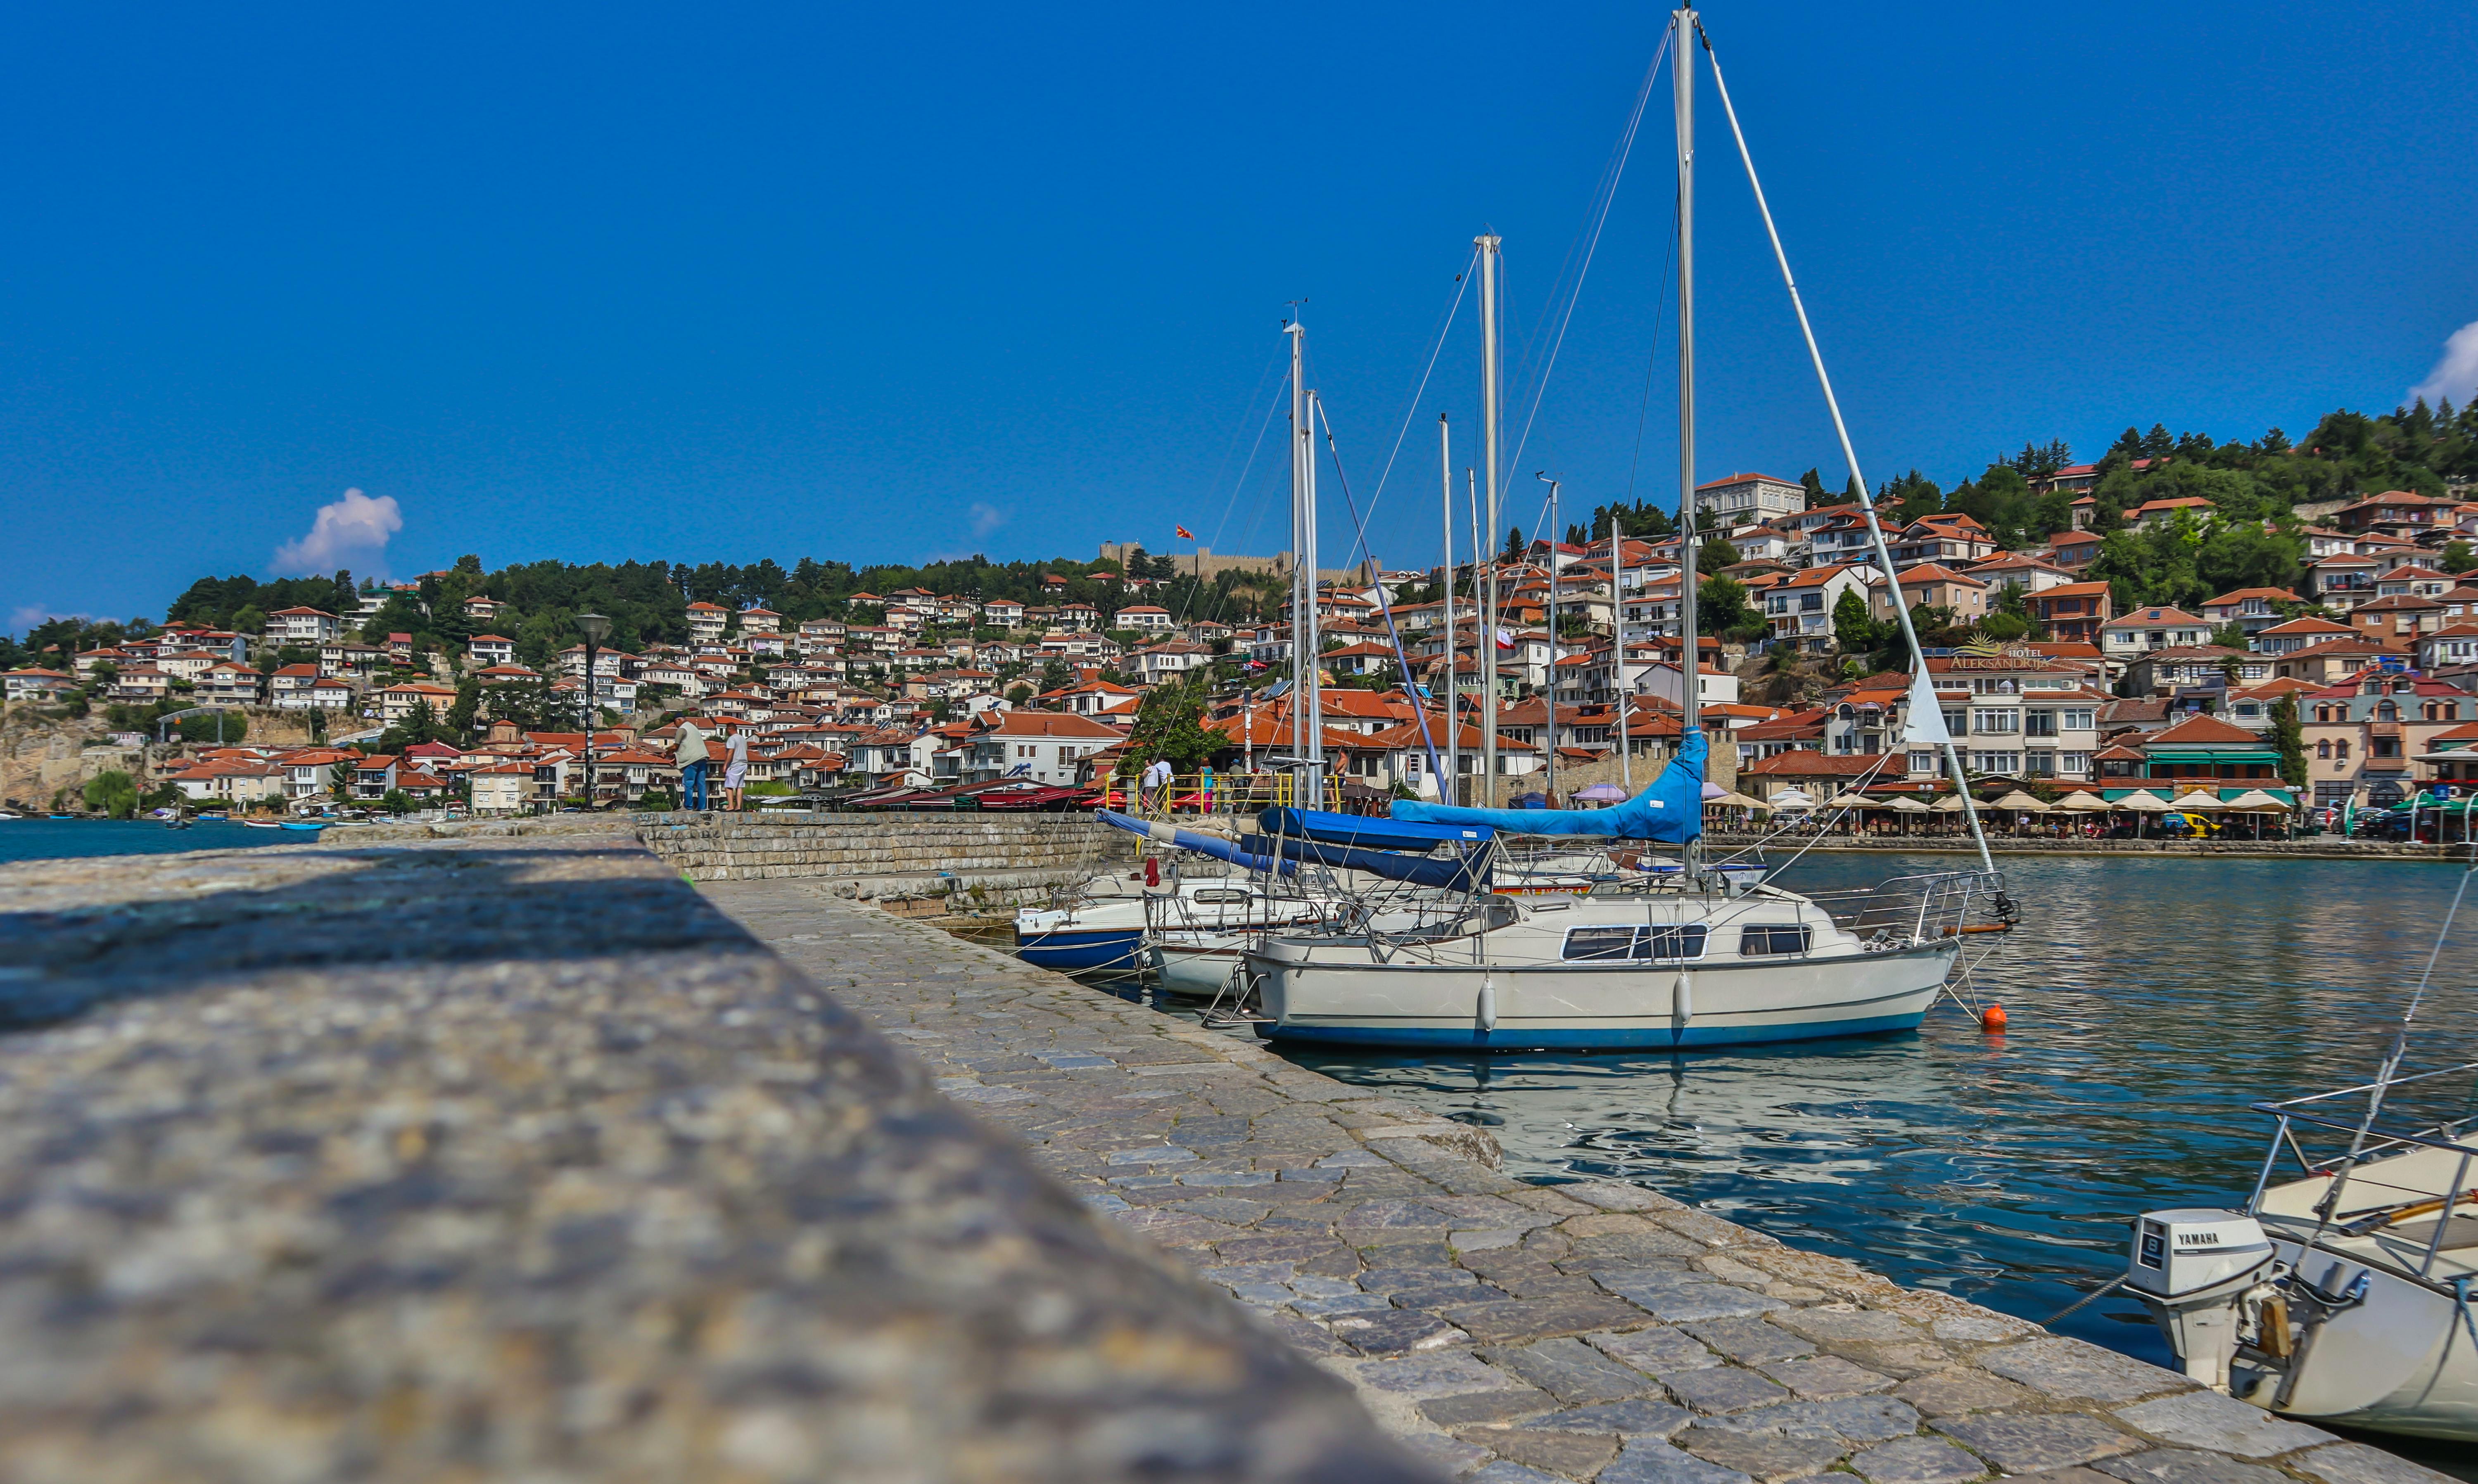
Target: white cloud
[
  {"x": 20, "y": 619},
  {"x": 986, "y": 518},
  {"x": 353, "y": 528},
  {"x": 2456, "y": 375}
]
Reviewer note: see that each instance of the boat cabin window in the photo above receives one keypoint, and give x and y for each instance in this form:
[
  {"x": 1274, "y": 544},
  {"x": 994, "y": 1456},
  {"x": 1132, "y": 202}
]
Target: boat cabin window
[
  {"x": 1762, "y": 938},
  {"x": 1600, "y": 943},
  {"x": 1222, "y": 896},
  {"x": 1635, "y": 942}
]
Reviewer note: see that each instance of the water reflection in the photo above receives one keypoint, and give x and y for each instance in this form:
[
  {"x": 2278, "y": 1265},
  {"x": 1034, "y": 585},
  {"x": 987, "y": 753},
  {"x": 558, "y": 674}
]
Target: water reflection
[{"x": 2151, "y": 1001}]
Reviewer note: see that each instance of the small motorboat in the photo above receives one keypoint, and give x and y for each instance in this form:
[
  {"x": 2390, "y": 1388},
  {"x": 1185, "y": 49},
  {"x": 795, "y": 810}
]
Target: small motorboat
[
  {"x": 305, "y": 826},
  {"x": 1109, "y": 932}
]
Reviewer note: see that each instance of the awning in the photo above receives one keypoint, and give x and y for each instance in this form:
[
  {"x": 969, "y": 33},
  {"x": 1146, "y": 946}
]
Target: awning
[{"x": 2268, "y": 756}]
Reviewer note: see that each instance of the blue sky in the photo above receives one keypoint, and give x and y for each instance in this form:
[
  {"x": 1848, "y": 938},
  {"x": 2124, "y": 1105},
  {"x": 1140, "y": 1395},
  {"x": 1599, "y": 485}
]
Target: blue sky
[{"x": 613, "y": 282}]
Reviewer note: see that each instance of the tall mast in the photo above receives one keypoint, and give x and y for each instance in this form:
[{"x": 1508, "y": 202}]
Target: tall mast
[
  {"x": 1556, "y": 531},
  {"x": 1308, "y": 719},
  {"x": 1617, "y": 622},
  {"x": 1690, "y": 672},
  {"x": 1488, "y": 417},
  {"x": 1454, "y": 716},
  {"x": 1314, "y": 643},
  {"x": 1479, "y": 554}
]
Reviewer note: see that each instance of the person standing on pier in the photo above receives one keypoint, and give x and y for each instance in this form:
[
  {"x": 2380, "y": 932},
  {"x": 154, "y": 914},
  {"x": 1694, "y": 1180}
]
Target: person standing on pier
[
  {"x": 735, "y": 771},
  {"x": 691, "y": 753}
]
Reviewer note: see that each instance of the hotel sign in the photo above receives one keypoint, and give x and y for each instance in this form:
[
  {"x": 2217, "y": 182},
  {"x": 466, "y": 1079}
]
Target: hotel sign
[{"x": 2010, "y": 657}]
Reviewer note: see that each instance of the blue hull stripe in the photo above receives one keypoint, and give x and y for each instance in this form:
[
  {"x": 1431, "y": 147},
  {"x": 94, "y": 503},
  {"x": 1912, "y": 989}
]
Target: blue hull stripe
[
  {"x": 1614, "y": 1038},
  {"x": 1093, "y": 948}
]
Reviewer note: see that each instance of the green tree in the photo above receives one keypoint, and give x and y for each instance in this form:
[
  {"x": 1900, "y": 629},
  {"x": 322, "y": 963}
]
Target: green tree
[
  {"x": 1713, "y": 554},
  {"x": 1853, "y": 630},
  {"x": 1721, "y": 609},
  {"x": 1018, "y": 694},
  {"x": 1513, "y": 543},
  {"x": 2231, "y": 635},
  {"x": 469, "y": 701},
  {"x": 112, "y": 793},
  {"x": 396, "y": 801},
  {"x": 229, "y": 727},
  {"x": 250, "y": 620},
  {"x": 2458, "y": 557},
  {"x": 1170, "y": 723},
  {"x": 1813, "y": 482},
  {"x": 2290, "y": 736}
]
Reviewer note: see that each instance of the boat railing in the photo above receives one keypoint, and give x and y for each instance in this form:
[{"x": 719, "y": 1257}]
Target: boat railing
[
  {"x": 2369, "y": 1138},
  {"x": 1934, "y": 904}
]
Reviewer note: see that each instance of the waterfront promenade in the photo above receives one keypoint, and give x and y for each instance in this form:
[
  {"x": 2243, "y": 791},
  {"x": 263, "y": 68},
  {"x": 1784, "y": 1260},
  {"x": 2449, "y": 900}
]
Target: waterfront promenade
[{"x": 512, "y": 1157}]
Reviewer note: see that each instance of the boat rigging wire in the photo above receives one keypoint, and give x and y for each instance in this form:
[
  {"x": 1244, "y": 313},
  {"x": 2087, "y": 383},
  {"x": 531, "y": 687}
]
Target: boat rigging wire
[
  {"x": 2328, "y": 1206},
  {"x": 1384, "y": 604},
  {"x": 1436, "y": 346},
  {"x": 1842, "y": 429},
  {"x": 1605, "y": 195}
]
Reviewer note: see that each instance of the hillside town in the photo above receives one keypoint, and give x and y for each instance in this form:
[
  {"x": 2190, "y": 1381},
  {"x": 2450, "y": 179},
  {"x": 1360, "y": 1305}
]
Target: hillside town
[{"x": 2356, "y": 688}]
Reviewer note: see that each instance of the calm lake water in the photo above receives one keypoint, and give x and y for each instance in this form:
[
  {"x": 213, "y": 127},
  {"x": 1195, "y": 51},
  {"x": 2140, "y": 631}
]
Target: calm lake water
[
  {"x": 38, "y": 840},
  {"x": 2151, "y": 1001}
]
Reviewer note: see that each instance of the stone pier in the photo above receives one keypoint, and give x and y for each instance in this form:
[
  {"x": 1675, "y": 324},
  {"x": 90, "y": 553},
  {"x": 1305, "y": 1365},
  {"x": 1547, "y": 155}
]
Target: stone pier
[{"x": 516, "y": 1157}]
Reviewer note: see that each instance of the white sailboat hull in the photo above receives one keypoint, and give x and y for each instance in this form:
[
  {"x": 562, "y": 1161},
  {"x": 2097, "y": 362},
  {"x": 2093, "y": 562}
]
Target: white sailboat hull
[{"x": 1324, "y": 990}]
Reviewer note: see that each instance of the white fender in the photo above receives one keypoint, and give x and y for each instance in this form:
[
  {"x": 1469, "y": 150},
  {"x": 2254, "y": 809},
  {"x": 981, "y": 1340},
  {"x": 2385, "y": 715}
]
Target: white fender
[
  {"x": 1682, "y": 999},
  {"x": 1488, "y": 1003}
]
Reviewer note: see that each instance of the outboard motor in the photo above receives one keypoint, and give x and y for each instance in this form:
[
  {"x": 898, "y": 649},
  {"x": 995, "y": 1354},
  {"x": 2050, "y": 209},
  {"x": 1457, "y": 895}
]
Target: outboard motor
[{"x": 2193, "y": 1269}]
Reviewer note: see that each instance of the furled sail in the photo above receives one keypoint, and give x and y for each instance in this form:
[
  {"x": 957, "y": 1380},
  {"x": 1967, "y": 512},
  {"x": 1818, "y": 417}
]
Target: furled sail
[
  {"x": 1367, "y": 831},
  {"x": 1670, "y": 810}
]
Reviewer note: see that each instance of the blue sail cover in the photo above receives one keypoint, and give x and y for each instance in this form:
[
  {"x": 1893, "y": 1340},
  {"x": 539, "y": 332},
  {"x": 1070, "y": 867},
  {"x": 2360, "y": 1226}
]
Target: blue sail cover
[
  {"x": 1237, "y": 852},
  {"x": 1670, "y": 810},
  {"x": 1267, "y": 853},
  {"x": 1340, "y": 829},
  {"x": 1452, "y": 873}
]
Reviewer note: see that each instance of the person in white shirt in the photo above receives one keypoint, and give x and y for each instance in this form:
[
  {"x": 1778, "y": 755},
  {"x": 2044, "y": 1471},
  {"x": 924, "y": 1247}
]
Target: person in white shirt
[
  {"x": 735, "y": 771},
  {"x": 1158, "y": 783}
]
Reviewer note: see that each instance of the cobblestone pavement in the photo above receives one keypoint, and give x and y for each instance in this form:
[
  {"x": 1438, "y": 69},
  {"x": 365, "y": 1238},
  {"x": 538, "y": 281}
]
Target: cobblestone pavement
[
  {"x": 512, "y": 1160},
  {"x": 1515, "y": 1333}
]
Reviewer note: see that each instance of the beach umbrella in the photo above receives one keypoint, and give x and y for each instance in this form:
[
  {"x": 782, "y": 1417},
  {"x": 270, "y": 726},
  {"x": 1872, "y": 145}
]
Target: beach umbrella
[
  {"x": 2198, "y": 800},
  {"x": 2083, "y": 803},
  {"x": 1713, "y": 790},
  {"x": 1793, "y": 798},
  {"x": 1737, "y": 801},
  {"x": 1949, "y": 804},
  {"x": 2256, "y": 801},
  {"x": 2140, "y": 802},
  {"x": 1602, "y": 794},
  {"x": 1908, "y": 806},
  {"x": 2018, "y": 799},
  {"x": 1852, "y": 798}
]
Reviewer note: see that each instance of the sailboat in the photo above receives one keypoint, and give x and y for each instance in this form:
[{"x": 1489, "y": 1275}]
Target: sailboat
[
  {"x": 2341, "y": 1295},
  {"x": 1693, "y": 956}
]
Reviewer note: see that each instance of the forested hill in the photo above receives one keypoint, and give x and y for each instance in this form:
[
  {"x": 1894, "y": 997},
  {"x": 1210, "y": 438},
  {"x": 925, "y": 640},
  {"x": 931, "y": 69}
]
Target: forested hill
[{"x": 647, "y": 601}]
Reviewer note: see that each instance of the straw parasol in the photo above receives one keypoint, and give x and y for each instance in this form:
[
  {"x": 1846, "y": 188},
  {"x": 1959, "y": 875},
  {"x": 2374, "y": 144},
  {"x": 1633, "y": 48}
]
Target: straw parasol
[
  {"x": 1908, "y": 806},
  {"x": 2018, "y": 799},
  {"x": 2083, "y": 803},
  {"x": 1852, "y": 798},
  {"x": 1793, "y": 798},
  {"x": 2255, "y": 801},
  {"x": 2145, "y": 803},
  {"x": 1737, "y": 801},
  {"x": 2198, "y": 800},
  {"x": 1949, "y": 804}
]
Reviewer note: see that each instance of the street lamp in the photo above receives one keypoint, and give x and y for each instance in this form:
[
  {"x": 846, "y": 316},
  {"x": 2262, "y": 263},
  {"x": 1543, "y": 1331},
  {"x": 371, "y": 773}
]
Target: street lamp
[{"x": 593, "y": 626}]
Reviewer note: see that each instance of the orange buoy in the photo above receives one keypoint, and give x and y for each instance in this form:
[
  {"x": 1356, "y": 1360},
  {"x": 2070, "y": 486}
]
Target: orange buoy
[{"x": 1992, "y": 1018}]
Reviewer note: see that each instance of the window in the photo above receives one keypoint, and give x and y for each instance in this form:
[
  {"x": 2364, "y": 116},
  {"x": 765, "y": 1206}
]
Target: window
[
  {"x": 1923, "y": 762},
  {"x": 1995, "y": 721},
  {"x": 2340, "y": 749},
  {"x": 1758, "y": 938},
  {"x": 2075, "y": 720},
  {"x": 2384, "y": 747},
  {"x": 2074, "y": 765},
  {"x": 1640, "y": 942},
  {"x": 1600, "y": 943},
  {"x": 2042, "y": 764},
  {"x": 2323, "y": 748},
  {"x": 2006, "y": 764},
  {"x": 1810, "y": 602},
  {"x": 2039, "y": 723}
]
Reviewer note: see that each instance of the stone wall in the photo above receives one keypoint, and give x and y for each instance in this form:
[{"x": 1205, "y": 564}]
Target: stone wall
[{"x": 1005, "y": 856}]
